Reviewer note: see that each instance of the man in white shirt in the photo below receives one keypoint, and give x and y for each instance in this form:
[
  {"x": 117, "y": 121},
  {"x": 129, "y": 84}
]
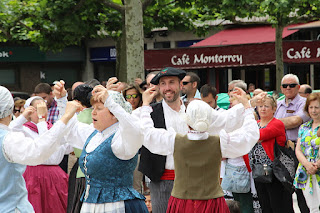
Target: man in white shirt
[{"x": 166, "y": 114}]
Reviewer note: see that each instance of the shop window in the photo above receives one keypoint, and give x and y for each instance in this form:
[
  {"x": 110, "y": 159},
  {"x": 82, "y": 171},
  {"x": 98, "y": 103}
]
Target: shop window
[
  {"x": 7, "y": 76},
  {"x": 162, "y": 45},
  {"x": 69, "y": 75}
]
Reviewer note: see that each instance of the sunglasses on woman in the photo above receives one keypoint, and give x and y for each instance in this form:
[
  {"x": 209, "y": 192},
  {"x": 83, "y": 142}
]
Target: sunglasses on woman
[{"x": 131, "y": 96}]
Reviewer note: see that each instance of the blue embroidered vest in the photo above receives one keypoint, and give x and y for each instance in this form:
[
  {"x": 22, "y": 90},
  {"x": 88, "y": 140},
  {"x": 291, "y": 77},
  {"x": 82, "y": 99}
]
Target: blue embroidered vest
[
  {"x": 108, "y": 179},
  {"x": 13, "y": 191}
]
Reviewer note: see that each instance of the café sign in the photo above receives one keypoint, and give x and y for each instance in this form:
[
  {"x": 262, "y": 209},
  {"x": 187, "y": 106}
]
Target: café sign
[{"x": 232, "y": 55}]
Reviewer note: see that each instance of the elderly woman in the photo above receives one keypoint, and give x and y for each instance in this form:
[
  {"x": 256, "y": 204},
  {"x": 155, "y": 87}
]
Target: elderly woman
[
  {"x": 48, "y": 179},
  {"x": 17, "y": 150},
  {"x": 273, "y": 197},
  {"x": 110, "y": 146},
  {"x": 307, "y": 176},
  {"x": 133, "y": 95},
  {"x": 197, "y": 155}
]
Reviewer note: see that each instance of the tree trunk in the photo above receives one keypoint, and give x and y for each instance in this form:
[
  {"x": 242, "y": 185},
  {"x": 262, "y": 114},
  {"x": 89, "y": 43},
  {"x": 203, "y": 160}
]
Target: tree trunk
[
  {"x": 130, "y": 46},
  {"x": 279, "y": 57}
]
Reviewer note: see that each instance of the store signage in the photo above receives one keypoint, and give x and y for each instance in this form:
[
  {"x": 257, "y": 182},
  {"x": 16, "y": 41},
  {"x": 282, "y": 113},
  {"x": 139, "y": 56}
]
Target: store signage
[
  {"x": 232, "y": 55},
  {"x": 103, "y": 54},
  {"x": 205, "y": 59},
  {"x": 5, "y": 54}
]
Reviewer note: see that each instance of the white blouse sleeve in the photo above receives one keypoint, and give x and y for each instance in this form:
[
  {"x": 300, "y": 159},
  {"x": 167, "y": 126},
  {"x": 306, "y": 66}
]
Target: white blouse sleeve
[
  {"x": 156, "y": 140},
  {"x": 24, "y": 150},
  {"x": 61, "y": 105},
  {"x": 240, "y": 141},
  {"x": 77, "y": 132},
  {"x": 17, "y": 124},
  {"x": 128, "y": 139},
  {"x": 228, "y": 120}
]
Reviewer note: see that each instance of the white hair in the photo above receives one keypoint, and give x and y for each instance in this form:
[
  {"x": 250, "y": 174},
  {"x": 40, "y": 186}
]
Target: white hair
[
  {"x": 239, "y": 83},
  {"x": 293, "y": 76}
]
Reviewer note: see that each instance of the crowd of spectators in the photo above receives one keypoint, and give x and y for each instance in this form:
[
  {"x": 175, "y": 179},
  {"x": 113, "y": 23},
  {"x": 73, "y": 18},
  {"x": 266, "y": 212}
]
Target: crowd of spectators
[{"x": 144, "y": 150}]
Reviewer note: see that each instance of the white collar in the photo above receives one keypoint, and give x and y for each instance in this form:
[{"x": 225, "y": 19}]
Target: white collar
[
  {"x": 111, "y": 129},
  {"x": 182, "y": 106}
]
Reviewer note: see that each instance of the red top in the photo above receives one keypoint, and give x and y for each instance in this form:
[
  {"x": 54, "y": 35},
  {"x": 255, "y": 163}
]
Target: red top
[{"x": 274, "y": 129}]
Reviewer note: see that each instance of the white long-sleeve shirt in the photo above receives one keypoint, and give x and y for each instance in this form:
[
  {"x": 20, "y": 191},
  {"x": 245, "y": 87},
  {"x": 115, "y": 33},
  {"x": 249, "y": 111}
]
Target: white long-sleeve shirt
[
  {"x": 17, "y": 148},
  {"x": 56, "y": 158},
  {"x": 233, "y": 144},
  {"x": 228, "y": 120},
  {"x": 126, "y": 142}
]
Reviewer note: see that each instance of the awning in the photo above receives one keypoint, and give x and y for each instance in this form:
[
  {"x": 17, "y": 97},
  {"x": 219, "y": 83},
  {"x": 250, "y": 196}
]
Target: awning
[
  {"x": 244, "y": 35},
  {"x": 315, "y": 24},
  {"x": 232, "y": 55}
]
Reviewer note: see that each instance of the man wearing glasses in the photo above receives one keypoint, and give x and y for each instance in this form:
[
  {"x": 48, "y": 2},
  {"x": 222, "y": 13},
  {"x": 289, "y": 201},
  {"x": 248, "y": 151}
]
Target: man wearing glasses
[
  {"x": 190, "y": 85},
  {"x": 290, "y": 112}
]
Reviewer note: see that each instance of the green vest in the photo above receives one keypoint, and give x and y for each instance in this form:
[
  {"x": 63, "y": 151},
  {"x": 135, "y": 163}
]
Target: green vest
[{"x": 197, "y": 168}]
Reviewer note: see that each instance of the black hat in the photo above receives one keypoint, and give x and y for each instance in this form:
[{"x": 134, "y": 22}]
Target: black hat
[
  {"x": 83, "y": 94},
  {"x": 168, "y": 71}
]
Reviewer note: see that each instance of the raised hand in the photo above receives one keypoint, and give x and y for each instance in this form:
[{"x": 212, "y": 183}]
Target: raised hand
[
  {"x": 258, "y": 99},
  {"x": 71, "y": 108},
  {"x": 59, "y": 90},
  {"x": 112, "y": 85},
  {"x": 148, "y": 95},
  {"x": 28, "y": 112},
  {"x": 42, "y": 110},
  {"x": 241, "y": 96},
  {"x": 100, "y": 93}
]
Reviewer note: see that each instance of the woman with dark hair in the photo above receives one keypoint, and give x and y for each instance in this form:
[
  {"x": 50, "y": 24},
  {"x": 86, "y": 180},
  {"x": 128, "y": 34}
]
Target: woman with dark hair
[
  {"x": 77, "y": 183},
  {"x": 133, "y": 95}
]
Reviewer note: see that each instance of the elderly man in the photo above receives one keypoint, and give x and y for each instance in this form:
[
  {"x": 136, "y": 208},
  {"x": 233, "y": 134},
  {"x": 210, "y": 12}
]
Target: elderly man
[
  {"x": 290, "y": 112},
  {"x": 166, "y": 114},
  {"x": 305, "y": 90}
]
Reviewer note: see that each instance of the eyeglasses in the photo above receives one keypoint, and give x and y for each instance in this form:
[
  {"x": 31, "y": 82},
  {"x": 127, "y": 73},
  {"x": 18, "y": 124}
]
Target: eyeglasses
[
  {"x": 16, "y": 110},
  {"x": 131, "y": 96},
  {"x": 186, "y": 82},
  {"x": 290, "y": 85}
]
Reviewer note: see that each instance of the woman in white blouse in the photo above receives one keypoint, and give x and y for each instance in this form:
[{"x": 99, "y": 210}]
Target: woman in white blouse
[
  {"x": 47, "y": 184},
  {"x": 109, "y": 152},
  {"x": 17, "y": 150}
]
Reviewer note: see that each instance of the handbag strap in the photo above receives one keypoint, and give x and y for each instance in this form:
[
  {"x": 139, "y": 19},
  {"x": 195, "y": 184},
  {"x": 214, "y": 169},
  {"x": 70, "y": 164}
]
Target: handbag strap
[{"x": 246, "y": 161}]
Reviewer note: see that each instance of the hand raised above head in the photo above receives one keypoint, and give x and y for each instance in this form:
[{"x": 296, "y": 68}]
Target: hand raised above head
[
  {"x": 100, "y": 93},
  {"x": 112, "y": 85},
  {"x": 59, "y": 90},
  {"x": 148, "y": 95},
  {"x": 258, "y": 99},
  {"x": 42, "y": 109},
  {"x": 241, "y": 96},
  {"x": 28, "y": 112},
  {"x": 71, "y": 108}
]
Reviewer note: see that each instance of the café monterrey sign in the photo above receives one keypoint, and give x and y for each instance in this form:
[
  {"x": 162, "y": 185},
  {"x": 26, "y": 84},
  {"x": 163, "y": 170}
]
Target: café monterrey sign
[{"x": 232, "y": 56}]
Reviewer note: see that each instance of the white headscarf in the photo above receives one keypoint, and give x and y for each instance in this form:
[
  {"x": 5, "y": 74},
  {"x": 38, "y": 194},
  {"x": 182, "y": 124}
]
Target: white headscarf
[
  {"x": 119, "y": 99},
  {"x": 6, "y": 102},
  {"x": 198, "y": 115},
  {"x": 29, "y": 100}
]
